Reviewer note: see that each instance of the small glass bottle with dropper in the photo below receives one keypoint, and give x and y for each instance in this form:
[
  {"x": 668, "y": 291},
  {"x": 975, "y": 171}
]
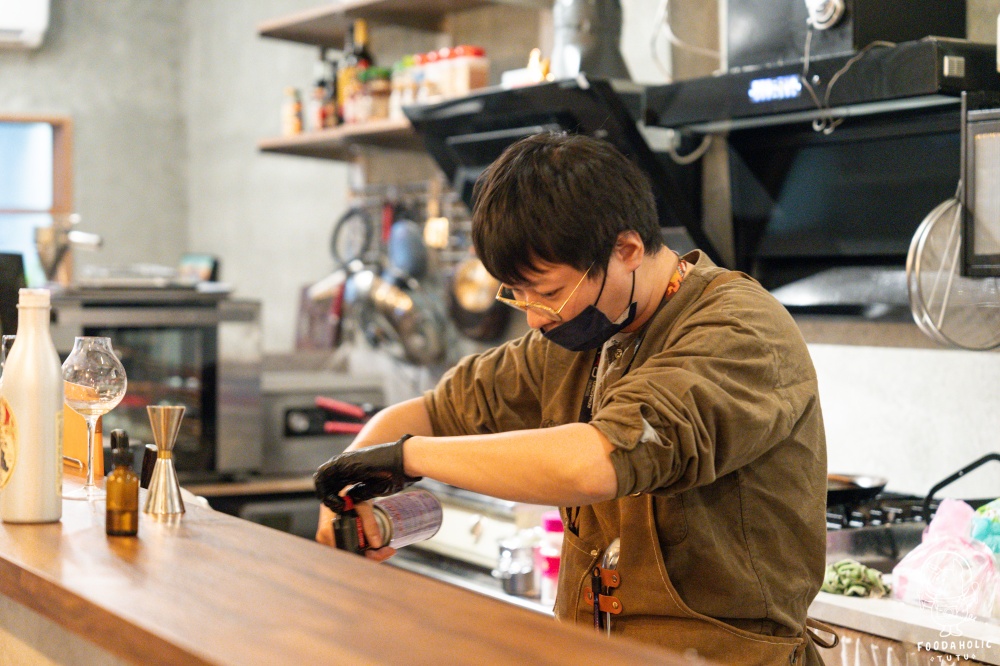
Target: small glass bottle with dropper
[{"x": 122, "y": 484}]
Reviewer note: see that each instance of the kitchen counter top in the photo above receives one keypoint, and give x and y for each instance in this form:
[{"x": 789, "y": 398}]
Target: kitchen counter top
[
  {"x": 977, "y": 640},
  {"x": 214, "y": 589},
  {"x": 262, "y": 486},
  {"x": 970, "y": 638}
]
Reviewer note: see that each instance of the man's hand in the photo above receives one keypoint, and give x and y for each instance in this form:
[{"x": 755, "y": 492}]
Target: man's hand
[
  {"x": 373, "y": 471},
  {"x": 324, "y": 531}
]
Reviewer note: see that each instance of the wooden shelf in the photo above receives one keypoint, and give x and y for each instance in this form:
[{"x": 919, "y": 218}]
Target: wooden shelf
[
  {"x": 326, "y": 25},
  {"x": 341, "y": 143}
]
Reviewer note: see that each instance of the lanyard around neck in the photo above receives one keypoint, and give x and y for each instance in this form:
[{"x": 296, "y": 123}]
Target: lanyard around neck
[{"x": 586, "y": 409}]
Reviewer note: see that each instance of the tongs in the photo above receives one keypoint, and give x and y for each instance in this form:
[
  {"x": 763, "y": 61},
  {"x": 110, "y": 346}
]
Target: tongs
[{"x": 350, "y": 418}]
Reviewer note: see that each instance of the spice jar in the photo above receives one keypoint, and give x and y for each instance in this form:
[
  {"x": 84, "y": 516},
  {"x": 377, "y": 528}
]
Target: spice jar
[
  {"x": 379, "y": 87},
  {"x": 470, "y": 69}
]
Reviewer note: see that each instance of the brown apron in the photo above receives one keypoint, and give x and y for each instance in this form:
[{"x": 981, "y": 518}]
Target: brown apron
[{"x": 649, "y": 608}]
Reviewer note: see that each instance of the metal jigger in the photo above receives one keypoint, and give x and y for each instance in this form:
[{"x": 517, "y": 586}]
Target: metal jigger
[{"x": 164, "y": 495}]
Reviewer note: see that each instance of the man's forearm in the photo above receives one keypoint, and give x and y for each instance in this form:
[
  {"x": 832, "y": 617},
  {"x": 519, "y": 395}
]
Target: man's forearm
[
  {"x": 566, "y": 465},
  {"x": 405, "y": 418}
]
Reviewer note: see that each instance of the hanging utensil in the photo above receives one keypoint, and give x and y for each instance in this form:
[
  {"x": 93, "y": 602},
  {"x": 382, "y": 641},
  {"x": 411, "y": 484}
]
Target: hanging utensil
[
  {"x": 405, "y": 249},
  {"x": 472, "y": 304},
  {"x": 948, "y": 307},
  {"x": 404, "y": 322},
  {"x": 352, "y": 236}
]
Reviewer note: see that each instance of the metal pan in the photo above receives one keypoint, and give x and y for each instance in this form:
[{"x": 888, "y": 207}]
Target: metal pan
[
  {"x": 852, "y": 489},
  {"x": 472, "y": 305}
]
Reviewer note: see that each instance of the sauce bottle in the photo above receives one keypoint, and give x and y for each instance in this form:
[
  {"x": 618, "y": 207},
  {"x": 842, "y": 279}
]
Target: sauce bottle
[
  {"x": 356, "y": 59},
  {"x": 31, "y": 411},
  {"x": 122, "y": 516},
  {"x": 291, "y": 113}
]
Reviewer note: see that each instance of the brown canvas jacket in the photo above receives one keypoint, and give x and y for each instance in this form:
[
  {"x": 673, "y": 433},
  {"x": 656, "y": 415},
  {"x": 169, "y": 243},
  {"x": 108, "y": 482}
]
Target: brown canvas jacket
[{"x": 720, "y": 456}]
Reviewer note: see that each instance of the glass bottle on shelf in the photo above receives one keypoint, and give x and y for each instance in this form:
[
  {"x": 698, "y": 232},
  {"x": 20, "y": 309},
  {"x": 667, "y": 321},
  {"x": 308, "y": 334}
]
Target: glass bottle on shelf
[
  {"x": 362, "y": 56},
  {"x": 357, "y": 58},
  {"x": 291, "y": 113},
  {"x": 331, "y": 114},
  {"x": 344, "y": 73},
  {"x": 318, "y": 108}
]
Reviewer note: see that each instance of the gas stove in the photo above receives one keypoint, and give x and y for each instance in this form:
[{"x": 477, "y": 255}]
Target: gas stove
[
  {"x": 881, "y": 531},
  {"x": 884, "y": 509}
]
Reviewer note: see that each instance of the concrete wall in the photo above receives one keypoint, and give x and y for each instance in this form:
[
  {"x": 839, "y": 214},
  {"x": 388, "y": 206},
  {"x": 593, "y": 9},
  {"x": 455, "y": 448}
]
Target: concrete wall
[
  {"x": 912, "y": 415},
  {"x": 115, "y": 67},
  {"x": 268, "y": 217}
]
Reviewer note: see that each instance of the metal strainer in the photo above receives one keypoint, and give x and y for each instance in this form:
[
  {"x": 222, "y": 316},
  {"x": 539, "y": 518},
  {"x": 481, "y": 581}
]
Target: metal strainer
[{"x": 950, "y": 308}]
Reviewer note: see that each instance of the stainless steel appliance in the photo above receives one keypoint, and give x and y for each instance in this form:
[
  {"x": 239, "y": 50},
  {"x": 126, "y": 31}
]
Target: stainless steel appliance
[
  {"x": 286, "y": 503},
  {"x": 586, "y": 35},
  {"x": 880, "y": 531},
  {"x": 280, "y": 493},
  {"x": 295, "y": 441},
  {"x": 179, "y": 347}
]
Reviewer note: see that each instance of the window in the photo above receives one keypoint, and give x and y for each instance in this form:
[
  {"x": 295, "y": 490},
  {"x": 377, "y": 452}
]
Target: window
[{"x": 35, "y": 184}]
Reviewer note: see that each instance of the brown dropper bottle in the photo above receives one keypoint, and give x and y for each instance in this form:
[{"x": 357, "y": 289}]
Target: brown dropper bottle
[{"x": 122, "y": 484}]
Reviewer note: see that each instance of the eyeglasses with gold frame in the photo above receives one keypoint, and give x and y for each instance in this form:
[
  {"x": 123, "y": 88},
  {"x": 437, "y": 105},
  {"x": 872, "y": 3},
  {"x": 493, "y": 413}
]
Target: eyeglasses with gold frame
[{"x": 506, "y": 296}]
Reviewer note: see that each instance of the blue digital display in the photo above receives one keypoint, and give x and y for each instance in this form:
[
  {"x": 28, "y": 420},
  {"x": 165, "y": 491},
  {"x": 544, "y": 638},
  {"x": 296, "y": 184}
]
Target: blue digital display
[{"x": 775, "y": 88}]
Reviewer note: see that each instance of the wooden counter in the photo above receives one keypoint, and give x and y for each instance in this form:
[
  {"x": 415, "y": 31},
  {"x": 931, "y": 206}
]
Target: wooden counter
[{"x": 214, "y": 589}]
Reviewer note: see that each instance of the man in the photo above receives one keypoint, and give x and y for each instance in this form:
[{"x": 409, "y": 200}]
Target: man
[{"x": 662, "y": 401}]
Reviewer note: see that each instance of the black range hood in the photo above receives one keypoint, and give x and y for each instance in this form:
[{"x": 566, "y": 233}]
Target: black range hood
[
  {"x": 826, "y": 193},
  {"x": 928, "y": 72},
  {"x": 466, "y": 135}
]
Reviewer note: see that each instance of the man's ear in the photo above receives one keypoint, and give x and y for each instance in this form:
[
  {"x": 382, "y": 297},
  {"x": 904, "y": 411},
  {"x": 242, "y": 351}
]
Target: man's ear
[{"x": 630, "y": 249}]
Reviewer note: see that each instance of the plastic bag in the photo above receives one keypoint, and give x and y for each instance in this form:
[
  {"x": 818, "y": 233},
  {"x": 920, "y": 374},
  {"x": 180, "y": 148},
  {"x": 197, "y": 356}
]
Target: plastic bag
[
  {"x": 949, "y": 572},
  {"x": 986, "y": 525}
]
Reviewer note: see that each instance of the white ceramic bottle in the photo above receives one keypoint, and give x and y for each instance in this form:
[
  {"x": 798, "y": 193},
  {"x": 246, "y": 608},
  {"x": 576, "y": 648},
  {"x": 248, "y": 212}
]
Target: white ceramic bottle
[{"x": 31, "y": 408}]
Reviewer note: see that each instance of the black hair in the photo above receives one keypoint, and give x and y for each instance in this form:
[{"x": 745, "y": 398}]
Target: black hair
[{"x": 562, "y": 199}]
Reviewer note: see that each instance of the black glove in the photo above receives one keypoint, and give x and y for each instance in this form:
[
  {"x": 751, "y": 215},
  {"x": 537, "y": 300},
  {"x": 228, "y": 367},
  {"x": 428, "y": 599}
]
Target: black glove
[{"x": 377, "y": 471}]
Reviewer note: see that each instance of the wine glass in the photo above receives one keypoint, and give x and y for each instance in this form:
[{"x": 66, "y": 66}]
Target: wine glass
[
  {"x": 95, "y": 384},
  {"x": 6, "y": 342}
]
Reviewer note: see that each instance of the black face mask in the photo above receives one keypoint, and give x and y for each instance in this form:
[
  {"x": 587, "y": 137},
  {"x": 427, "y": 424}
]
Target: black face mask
[{"x": 591, "y": 328}]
